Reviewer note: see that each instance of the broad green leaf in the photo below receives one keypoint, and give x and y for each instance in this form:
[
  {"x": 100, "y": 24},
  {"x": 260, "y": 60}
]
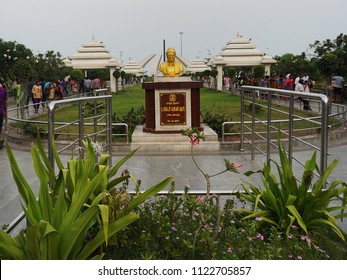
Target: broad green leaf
[
  {"x": 298, "y": 217},
  {"x": 99, "y": 239},
  {"x": 32, "y": 242},
  {"x": 104, "y": 209},
  {"x": 79, "y": 227},
  {"x": 148, "y": 193},
  {"x": 22, "y": 185},
  {"x": 114, "y": 170},
  {"x": 11, "y": 252}
]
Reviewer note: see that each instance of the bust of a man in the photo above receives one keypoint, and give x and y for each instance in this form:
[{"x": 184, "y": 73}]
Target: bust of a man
[{"x": 171, "y": 67}]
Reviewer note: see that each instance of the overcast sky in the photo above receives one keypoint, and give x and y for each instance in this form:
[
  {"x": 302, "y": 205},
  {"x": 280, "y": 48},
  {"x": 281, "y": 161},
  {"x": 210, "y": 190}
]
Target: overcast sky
[{"x": 136, "y": 28}]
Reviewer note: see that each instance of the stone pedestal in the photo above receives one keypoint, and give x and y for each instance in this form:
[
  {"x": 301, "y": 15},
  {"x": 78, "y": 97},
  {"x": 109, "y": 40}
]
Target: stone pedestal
[
  {"x": 173, "y": 142},
  {"x": 172, "y": 104}
]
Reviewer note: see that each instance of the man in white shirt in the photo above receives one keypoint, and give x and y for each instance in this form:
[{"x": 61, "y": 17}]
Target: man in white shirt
[{"x": 338, "y": 86}]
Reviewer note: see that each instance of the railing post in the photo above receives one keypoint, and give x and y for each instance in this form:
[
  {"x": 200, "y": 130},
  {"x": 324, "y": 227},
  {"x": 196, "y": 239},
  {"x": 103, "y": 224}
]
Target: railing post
[
  {"x": 109, "y": 127},
  {"x": 269, "y": 111},
  {"x": 324, "y": 135},
  {"x": 242, "y": 120},
  {"x": 51, "y": 134},
  {"x": 253, "y": 126},
  {"x": 81, "y": 128},
  {"x": 290, "y": 129},
  {"x": 95, "y": 121}
]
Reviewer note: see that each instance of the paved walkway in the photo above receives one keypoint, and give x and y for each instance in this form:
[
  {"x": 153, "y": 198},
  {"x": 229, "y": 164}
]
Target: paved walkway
[{"x": 152, "y": 168}]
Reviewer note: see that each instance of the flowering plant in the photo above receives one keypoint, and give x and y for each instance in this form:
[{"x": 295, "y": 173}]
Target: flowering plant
[{"x": 195, "y": 136}]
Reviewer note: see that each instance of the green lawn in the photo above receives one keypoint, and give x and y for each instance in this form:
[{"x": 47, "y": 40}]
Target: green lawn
[
  {"x": 134, "y": 97},
  {"x": 216, "y": 103}
]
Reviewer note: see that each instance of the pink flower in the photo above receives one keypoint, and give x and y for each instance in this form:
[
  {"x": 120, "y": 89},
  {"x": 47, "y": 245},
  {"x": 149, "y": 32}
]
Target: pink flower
[
  {"x": 305, "y": 238},
  {"x": 237, "y": 165},
  {"x": 260, "y": 236},
  {"x": 229, "y": 250},
  {"x": 194, "y": 140},
  {"x": 200, "y": 198},
  {"x": 258, "y": 219},
  {"x": 249, "y": 238}
]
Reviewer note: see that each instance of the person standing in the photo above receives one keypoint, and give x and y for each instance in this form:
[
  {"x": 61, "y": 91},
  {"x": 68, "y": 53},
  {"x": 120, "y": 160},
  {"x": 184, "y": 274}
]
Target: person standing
[
  {"x": 307, "y": 89},
  {"x": 37, "y": 95},
  {"x": 3, "y": 108},
  {"x": 62, "y": 84},
  {"x": 338, "y": 86},
  {"x": 88, "y": 86},
  {"x": 19, "y": 94},
  {"x": 14, "y": 89},
  {"x": 96, "y": 83},
  {"x": 29, "y": 94},
  {"x": 81, "y": 88}
]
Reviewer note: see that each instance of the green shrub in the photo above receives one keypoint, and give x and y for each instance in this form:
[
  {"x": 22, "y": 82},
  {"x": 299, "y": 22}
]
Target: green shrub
[
  {"x": 289, "y": 203},
  {"x": 182, "y": 227},
  {"x": 133, "y": 118},
  {"x": 215, "y": 119},
  {"x": 70, "y": 219}
]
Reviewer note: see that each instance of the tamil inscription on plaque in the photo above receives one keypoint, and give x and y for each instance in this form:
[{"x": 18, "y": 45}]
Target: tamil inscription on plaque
[{"x": 173, "y": 108}]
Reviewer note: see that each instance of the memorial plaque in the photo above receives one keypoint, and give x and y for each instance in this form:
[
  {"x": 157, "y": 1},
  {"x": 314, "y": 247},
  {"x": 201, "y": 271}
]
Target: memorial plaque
[{"x": 173, "y": 108}]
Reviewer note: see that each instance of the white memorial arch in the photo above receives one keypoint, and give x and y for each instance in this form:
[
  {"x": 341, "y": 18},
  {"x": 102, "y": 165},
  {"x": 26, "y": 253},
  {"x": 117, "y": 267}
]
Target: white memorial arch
[
  {"x": 240, "y": 52},
  {"x": 237, "y": 53}
]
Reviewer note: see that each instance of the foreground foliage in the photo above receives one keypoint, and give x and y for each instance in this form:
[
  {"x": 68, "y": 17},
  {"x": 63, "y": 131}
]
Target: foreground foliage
[
  {"x": 68, "y": 207},
  {"x": 308, "y": 204},
  {"x": 183, "y": 227}
]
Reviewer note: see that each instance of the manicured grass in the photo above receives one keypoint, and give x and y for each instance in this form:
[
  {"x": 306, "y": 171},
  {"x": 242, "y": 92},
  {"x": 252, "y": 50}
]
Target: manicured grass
[
  {"x": 134, "y": 97},
  {"x": 211, "y": 101}
]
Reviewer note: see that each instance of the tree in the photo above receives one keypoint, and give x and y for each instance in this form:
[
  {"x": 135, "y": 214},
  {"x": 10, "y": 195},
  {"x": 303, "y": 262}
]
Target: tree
[
  {"x": 259, "y": 71},
  {"x": 22, "y": 69},
  {"x": 231, "y": 72},
  {"x": 116, "y": 74},
  {"x": 50, "y": 66},
  {"x": 331, "y": 56},
  {"x": 10, "y": 53},
  {"x": 214, "y": 74},
  {"x": 76, "y": 74}
]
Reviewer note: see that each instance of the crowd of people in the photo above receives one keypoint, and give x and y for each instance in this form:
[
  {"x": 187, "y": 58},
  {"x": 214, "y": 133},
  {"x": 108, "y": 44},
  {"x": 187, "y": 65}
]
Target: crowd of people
[
  {"x": 41, "y": 91},
  {"x": 301, "y": 83}
]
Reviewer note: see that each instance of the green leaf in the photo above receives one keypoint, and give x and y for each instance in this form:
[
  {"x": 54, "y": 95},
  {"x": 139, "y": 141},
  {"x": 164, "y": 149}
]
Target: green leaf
[
  {"x": 104, "y": 209},
  {"x": 148, "y": 193},
  {"x": 79, "y": 227},
  {"x": 298, "y": 217},
  {"x": 99, "y": 239},
  {"x": 114, "y": 170},
  {"x": 79, "y": 200},
  {"x": 32, "y": 242}
]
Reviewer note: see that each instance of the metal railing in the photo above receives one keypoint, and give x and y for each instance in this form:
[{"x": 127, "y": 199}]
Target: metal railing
[
  {"x": 104, "y": 135},
  {"x": 250, "y": 96},
  {"x": 101, "y": 131},
  {"x": 21, "y": 121}
]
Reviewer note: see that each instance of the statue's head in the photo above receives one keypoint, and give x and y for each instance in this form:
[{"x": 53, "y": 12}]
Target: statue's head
[{"x": 171, "y": 54}]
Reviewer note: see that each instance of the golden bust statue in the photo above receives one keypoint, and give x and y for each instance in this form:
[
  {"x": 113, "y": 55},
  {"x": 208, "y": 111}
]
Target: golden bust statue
[{"x": 171, "y": 67}]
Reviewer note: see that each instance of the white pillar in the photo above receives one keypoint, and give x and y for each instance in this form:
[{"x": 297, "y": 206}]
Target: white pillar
[
  {"x": 220, "y": 77},
  {"x": 267, "y": 69},
  {"x": 112, "y": 79}
]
